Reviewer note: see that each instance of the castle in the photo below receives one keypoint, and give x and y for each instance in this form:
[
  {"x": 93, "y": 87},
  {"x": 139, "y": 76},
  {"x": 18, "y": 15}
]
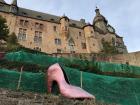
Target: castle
[{"x": 54, "y": 34}]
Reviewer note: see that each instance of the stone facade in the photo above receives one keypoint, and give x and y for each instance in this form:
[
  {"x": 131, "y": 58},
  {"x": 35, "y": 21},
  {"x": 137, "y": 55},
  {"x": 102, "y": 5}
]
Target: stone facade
[
  {"x": 129, "y": 58},
  {"x": 54, "y": 34}
]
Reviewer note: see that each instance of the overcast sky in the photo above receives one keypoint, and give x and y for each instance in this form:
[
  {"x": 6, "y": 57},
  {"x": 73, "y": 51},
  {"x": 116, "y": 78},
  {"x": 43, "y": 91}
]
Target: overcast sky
[{"x": 123, "y": 15}]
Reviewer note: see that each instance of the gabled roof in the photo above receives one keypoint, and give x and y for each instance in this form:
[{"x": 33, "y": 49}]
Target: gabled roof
[
  {"x": 41, "y": 16},
  {"x": 47, "y": 17}
]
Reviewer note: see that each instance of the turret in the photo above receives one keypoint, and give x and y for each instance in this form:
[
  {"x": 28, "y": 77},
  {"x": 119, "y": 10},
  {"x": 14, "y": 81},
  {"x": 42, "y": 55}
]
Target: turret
[
  {"x": 89, "y": 36},
  {"x": 14, "y": 7},
  {"x": 88, "y": 30},
  {"x": 100, "y": 22},
  {"x": 64, "y": 28}
]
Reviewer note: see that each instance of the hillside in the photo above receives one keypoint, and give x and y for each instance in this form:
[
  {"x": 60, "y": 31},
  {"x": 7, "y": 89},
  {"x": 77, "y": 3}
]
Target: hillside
[{"x": 8, "y": 97}]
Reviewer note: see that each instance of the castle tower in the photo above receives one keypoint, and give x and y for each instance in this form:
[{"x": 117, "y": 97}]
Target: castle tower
[
  {"x": 64, "y": 26},
  {"x": 91, "y": 41},
  {"x": 13, "y": 17},
  {"x": 100, "y": 22},
  {"x": 89, "y": 32},
  {"x": 14, "y": 7}
]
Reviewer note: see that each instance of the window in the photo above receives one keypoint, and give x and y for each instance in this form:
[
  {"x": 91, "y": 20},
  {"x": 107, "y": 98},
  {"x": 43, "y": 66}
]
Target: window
[
  {"x": 21, "y": 22},
  {"x": 22, "y": 34},
  {"x": 38, "y": 37},
  {"x": 39, "y": 26},
  {"x": 66, "y": 28},
  {"x": 71, "y": 45},
  {"x": 71, "y": 42},
  {"x": 80, "y": 34},
  {"x": 72, "y": 51},
  {"x": 58, "y": 41},
  {"x": 24, "y": 22},
  {"x": 83, "y": 45},
  {"x": 54, "y": 28},
  {"x": 113, "y": 42},
  {"x": 59, "y": 50}
]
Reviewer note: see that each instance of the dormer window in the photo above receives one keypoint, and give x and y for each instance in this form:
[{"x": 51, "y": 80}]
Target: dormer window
[
  {"x": 52, "y": 19},
  {"x": 73, "y": 24},
  {"x": 39, "y": 16},
  {"x": 24, "y": 13}
]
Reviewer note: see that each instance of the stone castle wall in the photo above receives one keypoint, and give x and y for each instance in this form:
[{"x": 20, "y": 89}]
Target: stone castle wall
[{"x": 130, "y": 58}]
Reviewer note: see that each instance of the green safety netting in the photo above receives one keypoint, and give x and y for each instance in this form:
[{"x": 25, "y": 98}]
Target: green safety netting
[
  {"x": 120, "y": 68},
  {"x": 34, "y": 82},
  {"x": 108, "y": 89},
  {"x": 124, "y": 91},
  {"x": 46, "y": 60}
]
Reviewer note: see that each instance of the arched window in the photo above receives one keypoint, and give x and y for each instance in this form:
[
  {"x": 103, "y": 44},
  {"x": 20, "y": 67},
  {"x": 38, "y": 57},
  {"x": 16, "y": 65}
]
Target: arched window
[
  {"x": 113, "y": 42},
  {"x": 71, "y": 45}
]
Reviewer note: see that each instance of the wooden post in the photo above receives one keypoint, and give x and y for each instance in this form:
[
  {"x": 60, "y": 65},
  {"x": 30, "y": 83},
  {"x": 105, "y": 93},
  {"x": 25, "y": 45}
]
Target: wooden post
[
  {"x": 19, "y": 81},
  {"x": 81, "y": 79}
]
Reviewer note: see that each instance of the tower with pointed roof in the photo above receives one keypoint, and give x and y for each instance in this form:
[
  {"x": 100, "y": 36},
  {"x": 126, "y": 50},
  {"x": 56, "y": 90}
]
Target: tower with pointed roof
[
  {"x": 64, "y": 27},
  {"x": 14, "y": 7},
  {"x": 14, "y": 2},
  {"x": 100, "y": 22}
]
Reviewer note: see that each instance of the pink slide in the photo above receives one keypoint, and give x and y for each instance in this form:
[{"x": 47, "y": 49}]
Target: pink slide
[{"x": 56, "y": 73}]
